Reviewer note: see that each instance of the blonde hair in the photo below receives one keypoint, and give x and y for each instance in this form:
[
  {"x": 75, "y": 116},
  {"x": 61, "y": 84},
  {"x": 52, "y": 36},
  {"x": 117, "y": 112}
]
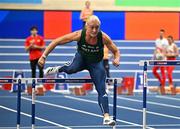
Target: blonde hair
[{"x": 93, "y": 18}]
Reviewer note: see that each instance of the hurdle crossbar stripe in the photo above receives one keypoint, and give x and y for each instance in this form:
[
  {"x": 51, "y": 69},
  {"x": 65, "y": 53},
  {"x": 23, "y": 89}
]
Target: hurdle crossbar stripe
[
  {"x": 54, "y": 80},
  {"x": 159, "y": 62}
]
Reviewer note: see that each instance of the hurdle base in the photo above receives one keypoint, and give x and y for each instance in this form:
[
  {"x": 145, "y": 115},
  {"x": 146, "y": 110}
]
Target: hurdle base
[
  {"x": 78, "y": 91},
  {"x": 121, "y": 91},
  {"x": 39, "y": 91},
  {"x": 167, "y": 90}
]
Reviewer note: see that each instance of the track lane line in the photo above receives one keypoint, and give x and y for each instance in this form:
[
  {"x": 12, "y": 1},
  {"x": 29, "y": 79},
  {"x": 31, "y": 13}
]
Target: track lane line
[
  {"x": 38, "y": 118},
  {"x": 81, "y": 111},
  {"x": 149, "y": 102},
  {"x": 127, "y": 108}
]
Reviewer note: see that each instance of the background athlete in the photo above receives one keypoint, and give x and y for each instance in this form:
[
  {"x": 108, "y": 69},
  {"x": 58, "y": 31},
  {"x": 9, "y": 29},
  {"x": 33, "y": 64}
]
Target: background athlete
[
  {"x": 172, "y": 52},
  {"x": 159, "y": 54},
  {"x": 89, "y": 56}
]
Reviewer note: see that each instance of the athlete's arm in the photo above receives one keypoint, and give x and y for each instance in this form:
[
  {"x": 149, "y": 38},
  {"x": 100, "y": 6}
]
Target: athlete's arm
[
  {"x": 38, "y": 47},
  {"x": 27, "y": 48},
  {"x": 113, "y": 48},
  {"x": 176, "y": 50},
  {"x": 82, "y": 14},
  {"x": 74, "y": 36},
  {"x": 28, "y": 45}
]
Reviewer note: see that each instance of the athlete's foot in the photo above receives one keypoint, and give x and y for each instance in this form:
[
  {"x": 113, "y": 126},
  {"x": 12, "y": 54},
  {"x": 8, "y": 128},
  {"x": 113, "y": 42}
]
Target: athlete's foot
[
  {"x": 173, "y": 89},
  {"x": 51, "y": 70},
  {"x": 162, "y": 90},
  {"x": 108, "y": 120}
]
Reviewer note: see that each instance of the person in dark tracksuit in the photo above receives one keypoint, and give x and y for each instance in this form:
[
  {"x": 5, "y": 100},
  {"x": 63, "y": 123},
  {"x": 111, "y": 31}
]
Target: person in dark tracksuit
[{"x": 89, "y": 56}]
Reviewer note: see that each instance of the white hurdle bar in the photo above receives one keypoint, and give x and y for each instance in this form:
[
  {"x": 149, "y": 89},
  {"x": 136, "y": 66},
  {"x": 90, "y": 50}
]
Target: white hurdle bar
[
  {"x": 35, "y": 81},
  {"x": 145, "y": 64}
]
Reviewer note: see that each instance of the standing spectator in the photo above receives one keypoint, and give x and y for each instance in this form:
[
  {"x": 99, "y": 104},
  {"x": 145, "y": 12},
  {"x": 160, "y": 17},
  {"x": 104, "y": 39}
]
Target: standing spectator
[
  {"x": 159, "y": 54},
  {"x": 35, "y": 45},
  {"x": 86, "y": 12},
  {"x": 172, "y": 52}
]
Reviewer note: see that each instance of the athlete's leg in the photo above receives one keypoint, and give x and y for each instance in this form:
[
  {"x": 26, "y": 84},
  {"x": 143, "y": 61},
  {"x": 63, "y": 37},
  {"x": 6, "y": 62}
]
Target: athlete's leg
[
  {"x": 33, "y": 68},
  {"x": 156, "y": 74},
  {"x": 41, "y": 73},
  {"x": 98, "y": 75},
  {"x": 76, "y": 65},
  {"x": 163, "y": 73},
  {"x": 106, "y": 66},
  {"x": 169, "y": 74}
]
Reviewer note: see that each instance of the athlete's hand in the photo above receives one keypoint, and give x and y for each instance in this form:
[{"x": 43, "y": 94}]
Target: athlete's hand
[
  {"x": 41, "y": 61},
  {"x": 116, "y": 62}
]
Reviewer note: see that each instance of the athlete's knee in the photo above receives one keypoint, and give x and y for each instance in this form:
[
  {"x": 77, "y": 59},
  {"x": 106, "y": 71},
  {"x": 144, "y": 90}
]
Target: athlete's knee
[
  {"x": 169, "y": 75},
  {"x": 101, "y": 91},
  {"x": 154, "y": 71},
  {"x": 70, "y": 71}
]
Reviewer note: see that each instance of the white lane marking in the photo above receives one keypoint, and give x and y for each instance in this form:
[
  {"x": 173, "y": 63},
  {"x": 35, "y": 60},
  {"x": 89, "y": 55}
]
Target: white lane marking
[
  {"x": 95, "y": 102},
  {"x": 38, "y": 118},
  {"x": 80, "y": 111},
  {"x": 127, "y": 108},
  {"x": 149, "y": 102},
  {"x": 169, "y": 98}
]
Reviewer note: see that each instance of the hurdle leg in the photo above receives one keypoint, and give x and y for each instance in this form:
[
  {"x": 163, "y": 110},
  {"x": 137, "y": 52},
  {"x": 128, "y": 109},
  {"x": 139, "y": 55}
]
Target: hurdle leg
[
  {"x": 33, "y": 103},
  {"x": 19, "y": 104},
  {"x": 144, "y": 94},
  {"x": 115, "y": 102}
]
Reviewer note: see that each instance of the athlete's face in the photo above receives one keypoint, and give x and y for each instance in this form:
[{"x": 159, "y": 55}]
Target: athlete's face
[
  {"x": 169, "y": 40},
  {"x": 161, "y": 34},
  {"x": 93, "y": 28},
  {"x": 34, "y": 32},
  {"x": 87, "y": 4}
]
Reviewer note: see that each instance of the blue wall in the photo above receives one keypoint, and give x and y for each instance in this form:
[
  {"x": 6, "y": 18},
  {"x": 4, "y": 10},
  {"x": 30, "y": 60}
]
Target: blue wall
[
  {"x": 113, "y": 23},
  {"x": 16, "y": 24},
  {"x": 21, "y": 1}
]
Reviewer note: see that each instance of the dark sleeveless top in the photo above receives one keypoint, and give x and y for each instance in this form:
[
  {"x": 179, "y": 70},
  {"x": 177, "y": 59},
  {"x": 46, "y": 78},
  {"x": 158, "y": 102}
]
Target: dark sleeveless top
[{"x": 91, "y": 53}]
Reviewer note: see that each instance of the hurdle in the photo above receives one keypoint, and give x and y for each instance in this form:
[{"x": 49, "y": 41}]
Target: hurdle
[
  {"x": 35, "y": 81},
  {"x": 145, "y": 64}
]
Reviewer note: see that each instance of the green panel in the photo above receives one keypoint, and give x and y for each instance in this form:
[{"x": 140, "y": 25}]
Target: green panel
[{"x": 160, "y": 3}]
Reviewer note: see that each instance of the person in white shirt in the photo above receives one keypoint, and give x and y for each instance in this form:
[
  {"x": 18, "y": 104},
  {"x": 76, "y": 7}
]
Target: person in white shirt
[
  {"x": 172, "y": 52},
  {"x": 159, "y": 54}
]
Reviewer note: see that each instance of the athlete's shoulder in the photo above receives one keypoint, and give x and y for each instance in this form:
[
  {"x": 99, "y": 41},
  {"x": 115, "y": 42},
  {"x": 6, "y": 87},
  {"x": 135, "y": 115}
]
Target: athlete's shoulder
[
  {"x": 157, "y": 40},
  {"x": 76, "y": 35},
  {"x": 77, "y": 32},
  {"x": 175, "y": 45},
  {"x": 29, "y": 37},
  {"x": 105, "y": 36}
]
